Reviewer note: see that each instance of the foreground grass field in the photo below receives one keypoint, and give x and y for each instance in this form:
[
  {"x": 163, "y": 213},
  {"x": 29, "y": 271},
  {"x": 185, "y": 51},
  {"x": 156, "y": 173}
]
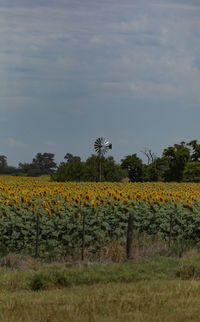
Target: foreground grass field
[
  {"x": 160, "y": 289},
  {"x": 142, "y": 301}
]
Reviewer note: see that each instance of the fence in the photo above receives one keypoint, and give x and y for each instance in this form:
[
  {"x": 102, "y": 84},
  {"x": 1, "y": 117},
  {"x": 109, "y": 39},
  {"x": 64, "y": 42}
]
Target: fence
[{"x": 40, "y": 234}]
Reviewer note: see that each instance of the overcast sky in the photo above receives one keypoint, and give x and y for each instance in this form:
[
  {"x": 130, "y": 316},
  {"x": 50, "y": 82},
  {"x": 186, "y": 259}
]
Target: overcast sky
[{"x": 74, "y": 70}]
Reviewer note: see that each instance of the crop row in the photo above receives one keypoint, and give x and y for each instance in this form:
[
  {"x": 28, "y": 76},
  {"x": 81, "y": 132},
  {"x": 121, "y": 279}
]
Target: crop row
[{"x": 38, "y": 211}]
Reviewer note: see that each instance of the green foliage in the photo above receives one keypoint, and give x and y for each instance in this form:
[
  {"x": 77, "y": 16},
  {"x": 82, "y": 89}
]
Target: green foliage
[
  {"x": 70, "y": 158},
  {"x": 39, "y": 282},
  {"x": 91, "y": 172},
  {"x": 60, "y": 234},
  {"x": 179, "y": 162},
  {"x": 111, "y": 171},
  {"x": 5, "y": 168},
  {"x": 155, "y": 170},
  {"x": 133, "y": 165},
  {"x": 71, "y": 171},
  {"x": 3, "y": 162},
  {"x": 177, "y": 157},
  {"x": 192, "y": 172},
  {"x": 42, "y": 164},
  {"x": 195, "y": 154},
  {"x": 75, "y": 170},
  {"x": 58, "y": 275}
]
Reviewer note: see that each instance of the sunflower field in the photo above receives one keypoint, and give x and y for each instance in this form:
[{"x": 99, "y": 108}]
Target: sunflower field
[{"x": 35, "y": 212}]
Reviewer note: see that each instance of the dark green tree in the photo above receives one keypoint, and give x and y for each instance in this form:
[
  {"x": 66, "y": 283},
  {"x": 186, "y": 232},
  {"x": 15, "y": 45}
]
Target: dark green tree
[
  {"x": 110, "y": 170},
  {"x": 44, "y": 162},
  {"x": 91, "y": 171},
  {"x": 5, "y": 168},
  {"x": 69, "y": 171},
  {"x": 133, "y": 166},
  {"x": 195, "y": 153},
  {"x": 72, "y": 170},
  {"x": 155, "y": 171},
  {"x": 3, "y": 162},
  {"x": 30, "y": 169},
  {"x": 71, "y": 158},
  {"x": 176, "y": 156},
  {"x": 192, "y": 172},
  {"x": 24, "y": 168}
]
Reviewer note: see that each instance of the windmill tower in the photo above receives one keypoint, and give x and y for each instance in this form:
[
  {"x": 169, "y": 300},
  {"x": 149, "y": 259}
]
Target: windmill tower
[{"x": 101, "y": 146}]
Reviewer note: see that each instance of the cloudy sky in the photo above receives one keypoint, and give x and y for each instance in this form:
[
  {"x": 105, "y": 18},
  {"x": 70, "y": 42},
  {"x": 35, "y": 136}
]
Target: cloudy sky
[{"x": 74, "y": 70}]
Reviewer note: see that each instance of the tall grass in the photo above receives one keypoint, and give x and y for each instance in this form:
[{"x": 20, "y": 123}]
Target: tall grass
[
  {"x": 142, "y": 301},
  {"x": 156, "y": 289}
]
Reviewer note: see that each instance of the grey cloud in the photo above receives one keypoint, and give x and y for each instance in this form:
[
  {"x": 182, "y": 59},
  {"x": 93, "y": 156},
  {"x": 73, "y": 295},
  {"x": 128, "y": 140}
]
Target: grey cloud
[
  {"x": 184, "y": 5},
  {"x": 65, "y": 64},
  {"x": 13, "y": 143}
]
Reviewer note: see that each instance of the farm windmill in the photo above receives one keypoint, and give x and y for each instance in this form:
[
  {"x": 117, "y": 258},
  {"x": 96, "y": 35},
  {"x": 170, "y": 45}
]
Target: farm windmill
[{"x": 101, "y": 146}]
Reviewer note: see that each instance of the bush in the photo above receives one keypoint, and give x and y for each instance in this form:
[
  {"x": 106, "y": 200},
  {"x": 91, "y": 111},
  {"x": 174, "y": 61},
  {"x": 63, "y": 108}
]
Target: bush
[
  {"x": 40, "y": 282},
  {"x": 189, "y": 267}
]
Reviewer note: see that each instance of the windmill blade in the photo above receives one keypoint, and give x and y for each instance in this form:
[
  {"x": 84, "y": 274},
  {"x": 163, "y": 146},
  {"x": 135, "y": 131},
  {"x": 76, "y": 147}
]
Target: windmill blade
[
  {"x": 102, "y": 145},
  {"x": 98, "y": 145}
]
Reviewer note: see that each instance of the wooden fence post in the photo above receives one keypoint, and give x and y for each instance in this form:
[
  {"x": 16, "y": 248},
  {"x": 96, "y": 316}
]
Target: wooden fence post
[
  {"x": 129, "y": 243},
  {"x": 37, "y": 235},
  {"x": 170, "y": 231},
  {"x": 83, "y": 236}
]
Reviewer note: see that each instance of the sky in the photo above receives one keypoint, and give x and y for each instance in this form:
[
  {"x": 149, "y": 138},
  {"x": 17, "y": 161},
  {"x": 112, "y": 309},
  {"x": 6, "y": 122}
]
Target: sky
[{"x": 75, "y": 70}]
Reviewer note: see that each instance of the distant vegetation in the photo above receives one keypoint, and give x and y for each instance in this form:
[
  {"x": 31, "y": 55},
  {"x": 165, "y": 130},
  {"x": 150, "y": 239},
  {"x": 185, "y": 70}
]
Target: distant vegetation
[{"x": 180, "y": 162}]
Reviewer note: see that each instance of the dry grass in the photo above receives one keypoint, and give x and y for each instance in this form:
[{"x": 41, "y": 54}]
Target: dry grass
[
  {"x": 115, "y": 251},
  {"x": 145, "y": 290},
  {"x": 145, "y": 247},
  {"x": 153, "y": 301},
  {"x": 14, "y": 261}
]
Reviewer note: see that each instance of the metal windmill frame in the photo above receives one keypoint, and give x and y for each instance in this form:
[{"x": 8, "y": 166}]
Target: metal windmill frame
[{"x": 101, "y": 146}]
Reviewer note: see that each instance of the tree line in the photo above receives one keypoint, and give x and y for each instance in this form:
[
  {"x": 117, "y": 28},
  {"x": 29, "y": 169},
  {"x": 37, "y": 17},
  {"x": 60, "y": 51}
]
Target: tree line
[
  {"x": 180, "y": 162},
  {"x": 42, "y": 164}
]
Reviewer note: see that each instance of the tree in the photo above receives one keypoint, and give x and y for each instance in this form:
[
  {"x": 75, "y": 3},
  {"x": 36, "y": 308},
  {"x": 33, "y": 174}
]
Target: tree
[
  {"x": 72, "y": 170},
  {"x": 134, "y": 167},
  {"x": 110, "y": 170},
  {"x": 3, "y": 162},
  {"x": 88, "y": 171},
  {"x": 195, "y": 154},
  {"x": 192, "y": 172},
  {"x": 177, "y": 156},
  {"x": 44, "y": 162},
  {"x": 5, "y": 168},
  {"x": 30, "y": 169},
  {"x": 24, "y": 167},
  {"x": 70, "y": 158},
  {"x": 69, "y": 171},
  {"x": 41, "y": 164},
  {"x": 151, "y": 157},
  {"x": 91, "y": 171},
  {"x": 155, "y": 171}
]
